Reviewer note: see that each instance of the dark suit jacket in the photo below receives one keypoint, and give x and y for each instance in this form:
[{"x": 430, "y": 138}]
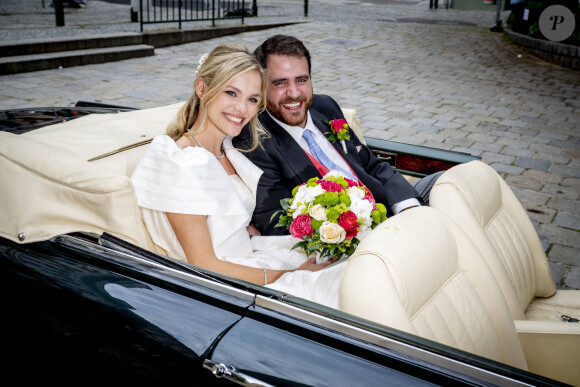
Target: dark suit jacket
[{"x": 286, "y": 165}]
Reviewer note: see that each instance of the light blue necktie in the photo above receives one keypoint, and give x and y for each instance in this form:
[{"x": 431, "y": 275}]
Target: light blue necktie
[{"x": 317, "y": 152}]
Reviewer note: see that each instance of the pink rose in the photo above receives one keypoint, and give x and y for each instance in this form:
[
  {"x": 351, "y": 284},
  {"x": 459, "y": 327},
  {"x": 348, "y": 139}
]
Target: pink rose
[
  {"x": 349, "y": 222},
  {"x": 351, "y": 183},
  {"x": 301, "y": 226},
  {"x": 330, "y": 186},
  {"x": 370, "y": 198},
  {"x": 338, "y": 125}
]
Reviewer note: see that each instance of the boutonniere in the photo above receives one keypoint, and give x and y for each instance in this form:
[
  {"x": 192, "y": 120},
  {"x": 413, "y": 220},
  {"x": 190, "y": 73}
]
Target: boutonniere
[{"x": 338, "y": 132}]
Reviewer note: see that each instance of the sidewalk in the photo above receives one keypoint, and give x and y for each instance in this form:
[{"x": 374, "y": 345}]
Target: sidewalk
[{"x": 438, "y": 78}]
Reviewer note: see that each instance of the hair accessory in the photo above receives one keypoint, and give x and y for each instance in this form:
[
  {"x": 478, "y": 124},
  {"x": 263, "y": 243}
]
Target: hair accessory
[
  {"x": 201, "y": 146},
  {"x": 201, "y": 60}
]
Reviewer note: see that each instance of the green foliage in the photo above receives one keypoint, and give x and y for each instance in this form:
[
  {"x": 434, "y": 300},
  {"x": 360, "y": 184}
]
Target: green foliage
[
  {"x": 330, "y": 199},
  {"x": 345, "y": 199},
  {"x": 312, "y": 244},
  {"x": 382, "y": 210}
]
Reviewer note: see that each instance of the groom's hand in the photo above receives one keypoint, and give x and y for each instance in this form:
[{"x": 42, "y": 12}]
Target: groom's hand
[{"x": 253, "y": 231}]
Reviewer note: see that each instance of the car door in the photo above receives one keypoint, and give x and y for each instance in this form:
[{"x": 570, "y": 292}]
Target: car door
[
  {"x": 79, "y": 309},
  {"x": 297, "y": 343},
  {"x": 75, "y": 311}
]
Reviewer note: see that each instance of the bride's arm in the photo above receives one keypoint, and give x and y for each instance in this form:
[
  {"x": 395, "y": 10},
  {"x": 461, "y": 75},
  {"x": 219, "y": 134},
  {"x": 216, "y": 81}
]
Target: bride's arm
[{"x": 193, "y": 234}]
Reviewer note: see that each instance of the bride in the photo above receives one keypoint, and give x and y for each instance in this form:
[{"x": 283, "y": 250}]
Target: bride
[{"x": 197, "y": 192}]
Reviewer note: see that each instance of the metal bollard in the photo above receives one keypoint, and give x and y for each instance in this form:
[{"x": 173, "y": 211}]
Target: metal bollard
[{"x": 59, "y": 12}]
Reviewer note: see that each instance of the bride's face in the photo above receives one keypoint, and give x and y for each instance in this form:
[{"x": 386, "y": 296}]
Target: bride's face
[{"x": 236, "y": 104}]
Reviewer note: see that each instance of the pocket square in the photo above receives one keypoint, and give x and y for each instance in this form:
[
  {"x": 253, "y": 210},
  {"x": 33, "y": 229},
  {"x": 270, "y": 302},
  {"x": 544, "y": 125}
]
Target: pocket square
[{"x": 358, "y": 148}]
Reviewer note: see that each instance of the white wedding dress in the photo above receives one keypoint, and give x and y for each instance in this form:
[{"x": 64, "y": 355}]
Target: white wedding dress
[{"x": 192, "y": 181}]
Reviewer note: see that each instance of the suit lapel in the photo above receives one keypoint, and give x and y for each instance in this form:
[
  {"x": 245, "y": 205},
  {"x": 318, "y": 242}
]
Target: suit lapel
[{"x": 289, "y": 150}]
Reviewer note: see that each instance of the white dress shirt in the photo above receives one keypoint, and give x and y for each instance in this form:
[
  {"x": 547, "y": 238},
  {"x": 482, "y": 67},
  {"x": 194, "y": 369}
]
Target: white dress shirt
[
  {"x": 331, "y": 152},
  {"x": 325, "y": 145}
]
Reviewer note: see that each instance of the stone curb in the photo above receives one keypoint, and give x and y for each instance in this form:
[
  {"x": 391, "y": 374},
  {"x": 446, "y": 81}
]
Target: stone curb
[
  {"x": 51, "y": 53},
  {"x": 160, "y": 39},
  {"x": 565, "y": 55}
]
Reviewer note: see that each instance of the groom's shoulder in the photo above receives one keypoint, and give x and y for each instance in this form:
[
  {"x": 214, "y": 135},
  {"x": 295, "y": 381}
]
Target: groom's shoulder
[
  {"x": 325, "y": 105},
  {"x": 322, "y": 100}
]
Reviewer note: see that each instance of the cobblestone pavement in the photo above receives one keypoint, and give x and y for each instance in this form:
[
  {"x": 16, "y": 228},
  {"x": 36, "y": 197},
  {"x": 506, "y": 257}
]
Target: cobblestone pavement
[{"x": 438, "y": 78}]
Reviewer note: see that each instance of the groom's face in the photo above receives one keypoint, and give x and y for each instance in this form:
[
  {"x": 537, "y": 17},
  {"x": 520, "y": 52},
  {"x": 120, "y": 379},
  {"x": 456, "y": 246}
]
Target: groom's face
[{"x": 289, "y": 89}]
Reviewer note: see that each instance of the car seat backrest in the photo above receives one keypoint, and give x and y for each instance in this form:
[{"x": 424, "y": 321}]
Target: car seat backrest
[
  {"x": 353, "y": 120},
  {"x": 417, "y": 273},
  {"x": 475, "y": 197}
]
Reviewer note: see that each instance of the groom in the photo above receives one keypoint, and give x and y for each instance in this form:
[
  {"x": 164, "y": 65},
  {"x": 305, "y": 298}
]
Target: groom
[{"x": 297, "y": 148}]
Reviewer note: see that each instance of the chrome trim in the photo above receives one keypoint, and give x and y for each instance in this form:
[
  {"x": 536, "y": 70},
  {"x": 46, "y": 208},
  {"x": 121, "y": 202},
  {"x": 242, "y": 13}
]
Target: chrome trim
[
  {"x": 406, "y": 350},
  {"x": 229, "y": 372},
  {"x": 145, "y": 263}
]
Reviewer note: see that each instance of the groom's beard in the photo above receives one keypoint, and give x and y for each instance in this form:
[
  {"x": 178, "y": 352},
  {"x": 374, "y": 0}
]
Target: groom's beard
[{"x": 290, "y": 117}]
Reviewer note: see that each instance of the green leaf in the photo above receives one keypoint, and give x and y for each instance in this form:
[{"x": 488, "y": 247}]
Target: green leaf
[
  {"x": 285, "y": 203},
  {"x": 300, "y": 244}
]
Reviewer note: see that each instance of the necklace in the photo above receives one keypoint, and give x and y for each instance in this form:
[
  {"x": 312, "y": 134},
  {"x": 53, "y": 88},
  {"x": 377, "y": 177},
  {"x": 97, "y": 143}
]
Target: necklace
[{"x": 201, "y": 146}]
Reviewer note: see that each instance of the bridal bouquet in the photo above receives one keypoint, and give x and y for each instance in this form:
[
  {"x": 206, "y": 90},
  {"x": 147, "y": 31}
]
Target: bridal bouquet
[{"x": 329, "y": 215}]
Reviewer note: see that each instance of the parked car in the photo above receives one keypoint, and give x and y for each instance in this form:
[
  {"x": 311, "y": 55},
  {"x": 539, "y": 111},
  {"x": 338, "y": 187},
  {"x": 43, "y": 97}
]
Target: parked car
[{"x": 88, "y": 299}]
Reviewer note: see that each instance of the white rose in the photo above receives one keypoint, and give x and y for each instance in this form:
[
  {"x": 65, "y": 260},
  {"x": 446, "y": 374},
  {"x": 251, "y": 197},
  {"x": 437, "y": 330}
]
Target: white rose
[
  {"x": 361, "y": 208},
  {"x": 318, "y": 212},
  {"x": 315, "y": 191},
  {"x": 331, "y": 233},
  {"x": 367, "y": 222},
  {"x": 299, "y": 211},
  {"x": 355, "y": 192},
  {"x": 305, "y": 195},
  {"x": 300, "y": 197}
]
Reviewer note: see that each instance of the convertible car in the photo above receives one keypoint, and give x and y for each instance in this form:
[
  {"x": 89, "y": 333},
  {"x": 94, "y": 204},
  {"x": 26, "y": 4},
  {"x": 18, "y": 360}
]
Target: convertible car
[{"x": 458, "y": 293}]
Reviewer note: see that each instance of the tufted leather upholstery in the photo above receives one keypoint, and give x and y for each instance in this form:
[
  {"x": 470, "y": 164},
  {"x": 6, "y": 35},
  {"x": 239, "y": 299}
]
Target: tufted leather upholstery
[
  {"x": 419, "y": 273},
  {"x": 477, "y": 199}
]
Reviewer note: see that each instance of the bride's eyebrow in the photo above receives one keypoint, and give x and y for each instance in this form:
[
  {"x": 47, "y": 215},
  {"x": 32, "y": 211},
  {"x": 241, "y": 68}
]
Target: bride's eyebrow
[{"x": 259, "y": 95}]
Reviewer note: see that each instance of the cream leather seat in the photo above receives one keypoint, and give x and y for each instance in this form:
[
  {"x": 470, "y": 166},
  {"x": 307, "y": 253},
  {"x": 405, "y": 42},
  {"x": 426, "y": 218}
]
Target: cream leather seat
[
  {"x": 74, "y": 177},
  {"x": 476, "y": 197},
  {"x": 45, "y": 193},
  {"x": 351, "y": 117},
  {"x": 420, "y": 273},
  {"x": 408, "y": 274}
]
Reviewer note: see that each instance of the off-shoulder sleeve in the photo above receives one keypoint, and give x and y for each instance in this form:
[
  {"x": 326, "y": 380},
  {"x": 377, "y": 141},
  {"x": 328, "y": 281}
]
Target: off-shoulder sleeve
[{"x": 186, "y": 181}]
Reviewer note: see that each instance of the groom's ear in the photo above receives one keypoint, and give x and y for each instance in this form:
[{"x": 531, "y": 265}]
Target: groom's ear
[{"x": 200, "y": 87}]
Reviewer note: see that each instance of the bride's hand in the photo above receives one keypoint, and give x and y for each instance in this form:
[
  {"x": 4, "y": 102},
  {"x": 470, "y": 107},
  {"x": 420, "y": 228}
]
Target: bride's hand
[{"x": 311, "y": 265}]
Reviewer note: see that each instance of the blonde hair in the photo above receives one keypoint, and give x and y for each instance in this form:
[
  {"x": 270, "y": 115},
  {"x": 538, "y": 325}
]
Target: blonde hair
[{"x": 223, "y": 63}]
